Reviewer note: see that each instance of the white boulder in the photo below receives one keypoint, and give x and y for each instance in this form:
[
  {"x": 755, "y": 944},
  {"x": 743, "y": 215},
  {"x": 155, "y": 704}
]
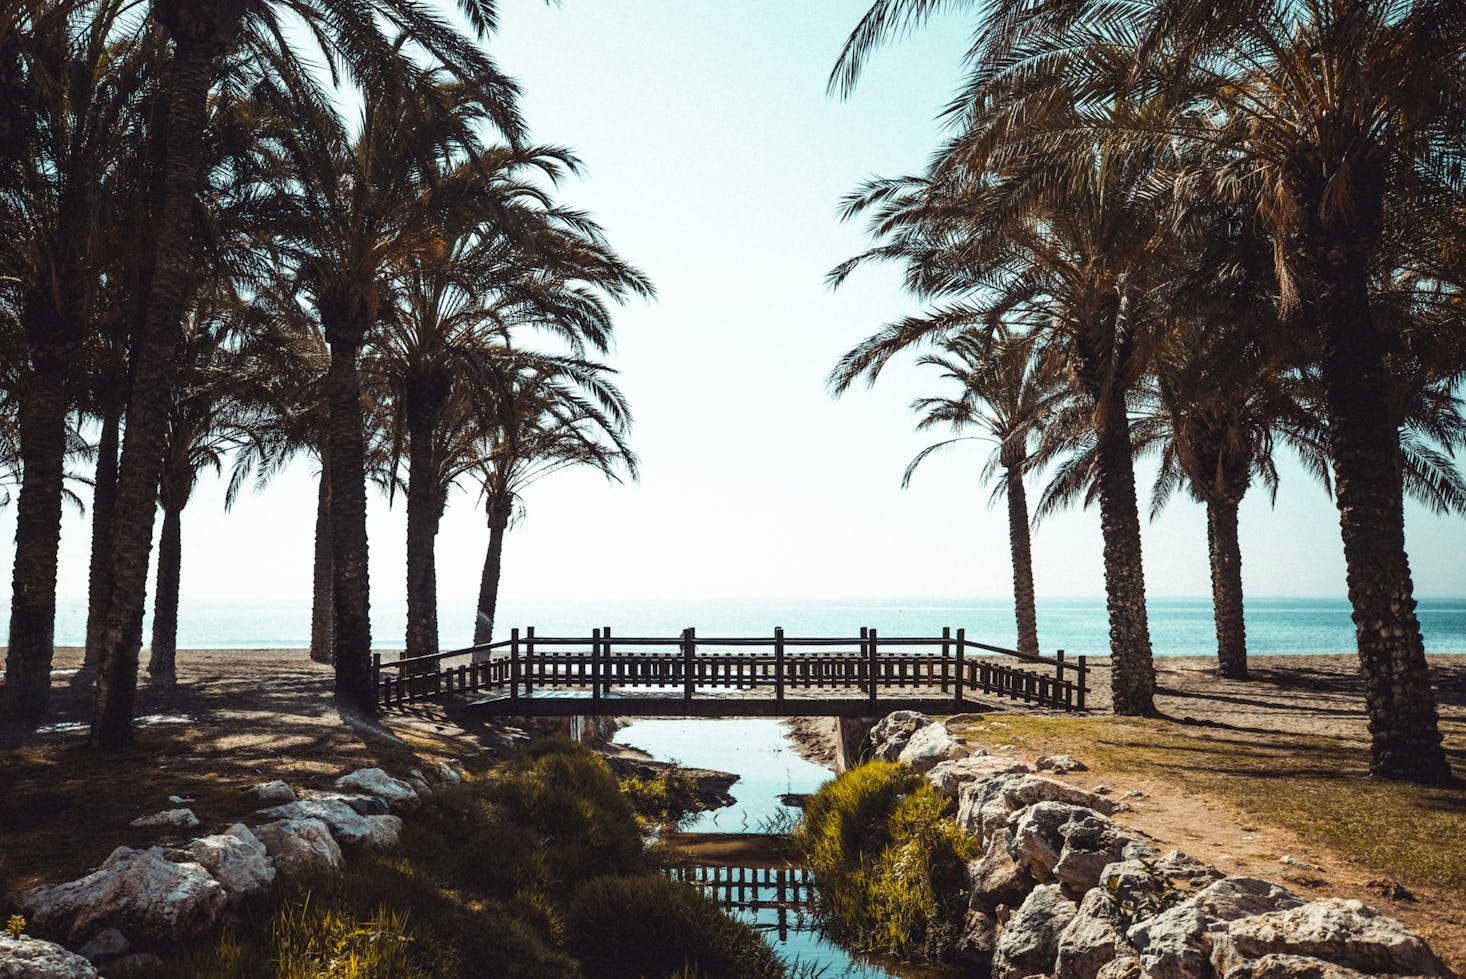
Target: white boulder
[
  {"x": 448, "y": 773},
  {"x": 1029, "y": 942},
  {"x": 373, "y": 781},
  {"x": 1177, "y": 942},
  {"x": 1346, "y": 933},
  {"x": 1060, "y": 764},
  {"x": 892, "y": 732},
  {"x": 347, "y": 825},
  {"x": 179, "y": 819},
  {"x": 30, "y": 958},
  {"x": 984, "y": 806},
  {"x": 275, "y": 793},
  {"x": 1291, "y": 967},
  {"x": 948, "y": 777},
  {"x": 237, "y": 860},
  {"x": 931, "y": 745},
  {"x": 299, "y": 847},
  {"x": 139, "y": 891},
  {"x": 1093, "y": 939}
]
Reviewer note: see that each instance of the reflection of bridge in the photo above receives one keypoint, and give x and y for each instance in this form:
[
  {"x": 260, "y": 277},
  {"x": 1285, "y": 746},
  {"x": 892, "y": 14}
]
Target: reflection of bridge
[
  {"x": 781, "y": 676},
  {"x": 787, "y": 892}
]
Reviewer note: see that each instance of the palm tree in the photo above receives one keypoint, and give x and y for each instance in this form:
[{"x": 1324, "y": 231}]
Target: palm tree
[
  {"x": 203, "y": 32},
  {"x": 550, "y": 414}
]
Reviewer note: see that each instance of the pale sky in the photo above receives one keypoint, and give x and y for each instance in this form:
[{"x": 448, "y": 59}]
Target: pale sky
[{"x": 715, "y": 162}]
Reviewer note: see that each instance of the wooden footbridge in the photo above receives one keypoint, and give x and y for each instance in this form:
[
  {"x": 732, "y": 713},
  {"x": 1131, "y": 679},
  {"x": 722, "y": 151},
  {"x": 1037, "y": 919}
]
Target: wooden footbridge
[{"x": 767, "y": 676}]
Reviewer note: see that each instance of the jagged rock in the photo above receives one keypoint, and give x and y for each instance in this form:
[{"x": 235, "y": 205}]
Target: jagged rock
[
  {"x": 1091, "y": 843},
  {"x": 1060, "y": 764},
  {"x": 384, "y": 831},
  {"x": 1037, "y": 836},
  {"x": 168, "y": 819},
  {"x": 948, "y": 777},
  {"x": 1029, "y": 941},
  {"x": 347, "y": 825},
  {"x": 1289, "y": 860},
  {"x": 892, "y": 732},
  {"x": 1290, "y": 967},
  {"x": 449, "y": 774},
  {"x": 362, "y": 805},
  {"x": 1158, "y": 881},
  {"x": 1123, "y": 967},
  {"x": 1092, "y": 939},
  {"x": 139, "y": 891},
  {"x": 237, "y": 860},
  {"x": 373, "y": 781},
  {"x": 300, "y": 846},
  {"x": 105, "y": 944},
  {"x": 423, "y": 790},
  {"x": 274, "y": 793},
  {"x": 996, "y": 878},
  {"x": 30, "y": 958},
  {"x": 1346, "y": 933},
  {"x": 1136, "y": 794},
  {"x": 979, "y": 936},
  {"x": 983, "y": 807},
  {"x": 1177, "y": 943},
  {"x": 931, "y": 745}
]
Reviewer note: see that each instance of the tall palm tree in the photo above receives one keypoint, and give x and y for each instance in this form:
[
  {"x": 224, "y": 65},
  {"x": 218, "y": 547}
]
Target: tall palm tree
[{"x": 203, "y": 32}]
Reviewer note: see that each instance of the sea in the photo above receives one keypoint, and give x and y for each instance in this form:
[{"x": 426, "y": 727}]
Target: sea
[{"x": 1178, "y": 626}]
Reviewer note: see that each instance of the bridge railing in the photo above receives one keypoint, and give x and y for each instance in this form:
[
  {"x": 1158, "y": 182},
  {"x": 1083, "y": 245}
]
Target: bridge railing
[{"x": 601, "y": 664}]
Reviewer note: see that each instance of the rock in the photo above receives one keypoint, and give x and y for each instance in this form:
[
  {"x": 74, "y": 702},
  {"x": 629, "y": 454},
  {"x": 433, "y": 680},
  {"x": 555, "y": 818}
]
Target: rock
[
  {"x": 1177, "y": 942},
  {"x": 1091, "y": 843},
  {"x": 138, "y": 891},
  {"x": 179, "y": 819},
  {"x": 448, "y": 773},
  {"x": 384, "y": 832},
  {"x": 979, "y": 937},
  {"x": 1037, "y": 839},
  {"x": 373, "y": 781},
  {"x": 1123, "y": 967},
  {"x": 1092, "y": 939},
  {"x": 105, "y": 944},
  {"x": 30, "y": 958},
  {"x": 1156, "y": 883},
  {"x": 1289, "y": 860},
  {"x": 300, "y": 846},
  {"x": 929, "y": 746},
  {"x": 1029, "y": 941},
  {"x": 362, "y": 805},
  {"x": 996, "y": 878},
  {"x": 957, "y": 719},
  {"x": 983, "y": 807},
  {"x": 423, "y": 790},
  {"x": 1060, "y": 764},
  {"x": 1290, "y": 967},
  {"x": 180, "y": 800},
  {"x": 948, "y": 777},
  {"x": 892, "y": 732},
  {"x": 237, "y": 860},
  {"x": 1346, "y": 933},
  {"x": 1135, "y": 794},
  {"x": 1388, "y": 887},
  {"x": 274, "y": 793},
  {"x": 347, "y": 825},
  {"x": 1101, "y": 790}
]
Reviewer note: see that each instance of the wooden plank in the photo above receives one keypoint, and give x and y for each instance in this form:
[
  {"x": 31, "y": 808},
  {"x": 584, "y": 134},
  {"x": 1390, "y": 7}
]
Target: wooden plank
[{"x": 961, "y": 673}]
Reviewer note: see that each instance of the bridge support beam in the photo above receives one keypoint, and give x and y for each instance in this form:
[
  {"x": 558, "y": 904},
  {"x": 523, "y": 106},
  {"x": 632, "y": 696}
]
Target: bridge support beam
[{"x": 852, "y": 740}]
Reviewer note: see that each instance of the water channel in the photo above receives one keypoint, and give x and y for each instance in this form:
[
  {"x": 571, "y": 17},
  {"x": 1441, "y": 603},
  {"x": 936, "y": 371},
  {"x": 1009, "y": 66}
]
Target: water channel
[{"x": 773, "y": 899}]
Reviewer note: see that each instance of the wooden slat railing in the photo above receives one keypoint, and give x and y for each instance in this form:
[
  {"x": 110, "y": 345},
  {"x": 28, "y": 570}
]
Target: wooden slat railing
[{"x": 526, "y": 662}]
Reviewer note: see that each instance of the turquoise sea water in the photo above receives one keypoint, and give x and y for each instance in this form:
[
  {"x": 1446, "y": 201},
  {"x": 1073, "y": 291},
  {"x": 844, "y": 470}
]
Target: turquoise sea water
[{"x": 1179, "y": 626}]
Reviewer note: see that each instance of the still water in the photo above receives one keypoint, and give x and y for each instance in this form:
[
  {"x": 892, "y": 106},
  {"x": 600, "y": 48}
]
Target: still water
[{"x": 759, "y": 750}]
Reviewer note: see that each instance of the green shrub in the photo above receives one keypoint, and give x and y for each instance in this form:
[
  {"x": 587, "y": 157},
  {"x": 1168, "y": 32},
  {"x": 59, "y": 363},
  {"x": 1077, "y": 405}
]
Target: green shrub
[
  {"x": 648, "y": 927},
  {"x": 667, "y": 799},
  {"x": 889, "y": 860}
]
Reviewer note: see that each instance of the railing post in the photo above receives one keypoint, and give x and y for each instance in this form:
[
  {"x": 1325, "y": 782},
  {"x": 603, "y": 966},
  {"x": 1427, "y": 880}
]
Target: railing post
[
  {"x": 961, "y": 669},
  {"x": 1058, "y": 674},
  {"x": 779, "y": 667},
  {"x": 1083, "y": 680},
  {"x": 513, "y": 664},
  {"x": 377, "y": 679},
  {"x": 529, "y": 661},
  {"x": 689, "y": 647},
  {"x": 595, "y": 664},
  {"x": 870, "y": 652},
  {"x": 946, "y": 656}
]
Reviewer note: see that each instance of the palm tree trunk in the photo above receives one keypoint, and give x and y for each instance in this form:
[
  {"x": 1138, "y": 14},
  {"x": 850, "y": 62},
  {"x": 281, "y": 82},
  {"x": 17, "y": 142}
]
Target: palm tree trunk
[
  {"x": 1403, "y": 724},
  {"x": 422, "y": 529},
  {"x": 1132, "y": 675},
  {"x": 142, "y": 448},
  {"x": 350, "y": 583},
  {"x": 104, "y": 506},
  {"x": 1226, "y": 588},
  {"x": 488, "y": 589},
  {"x": 1018, "y": 540},
  {"x": 165, "y": 594},
  {"x": 323, "y": 611},
  {"x": 37, "y": 538}
]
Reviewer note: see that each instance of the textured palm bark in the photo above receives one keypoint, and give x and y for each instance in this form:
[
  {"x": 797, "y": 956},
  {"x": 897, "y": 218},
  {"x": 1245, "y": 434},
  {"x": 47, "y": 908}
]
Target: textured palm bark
[
  {"x": 488, "y": 589},
  {"x": 323, "y": 611},
  {"x": 1132, "y": 676},
  {"x": 162, "y": 659},
  {"x": 1225, "y": 549},
  {"x": 104, "y": 507},
  {"x": 1019, "y": 542},
  {"x": 27, "y": 690},
  {"x": 422, "y": 531},
  {"x": 347, "y": 466},
  {"x": 1403, "y": 723},
  {"x": 142, "y": 448}
]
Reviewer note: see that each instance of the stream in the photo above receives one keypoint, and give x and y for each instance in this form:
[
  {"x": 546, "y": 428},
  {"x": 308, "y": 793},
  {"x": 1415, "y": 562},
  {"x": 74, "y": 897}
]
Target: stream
[{"x": 773, "y": 900}]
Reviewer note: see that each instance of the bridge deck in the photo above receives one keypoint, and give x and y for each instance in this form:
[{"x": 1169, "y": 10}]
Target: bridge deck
[{"x": 533, "y": 675}]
